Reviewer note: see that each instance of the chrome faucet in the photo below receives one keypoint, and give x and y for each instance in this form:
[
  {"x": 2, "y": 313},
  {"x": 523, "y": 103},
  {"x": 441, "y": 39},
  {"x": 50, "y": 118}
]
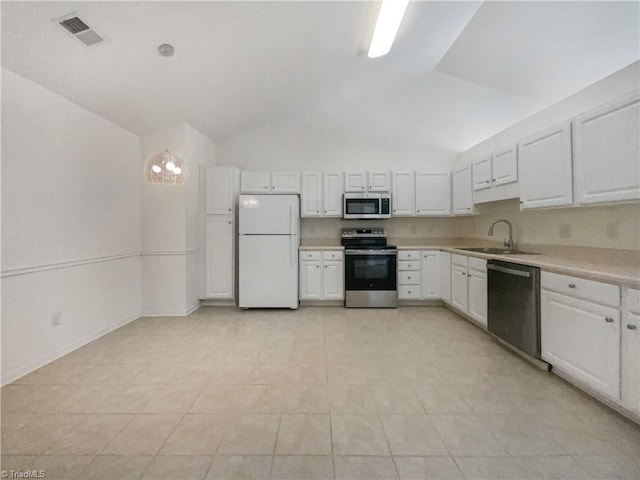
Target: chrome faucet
[{"x": 507, "y": 243}]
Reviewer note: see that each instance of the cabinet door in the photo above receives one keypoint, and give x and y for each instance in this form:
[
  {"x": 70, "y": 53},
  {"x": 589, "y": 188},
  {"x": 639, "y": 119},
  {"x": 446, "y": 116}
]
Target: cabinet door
[
  {"x": 219, "y": 260},
  {"x": 459, "y": 287},
  {"x": 403, "y": 194},
  {"x": 504, "y": 166},
  {"x": 462, "y": 192},
  {"x": 333, "y": 280},
  {"x": 444, "y": 273},
  {"x": 478, "y": 296},
  {"x": 630, "y": 361},
  {"x": 430, "y": 274},
  {"x": 433, "y": 193},
  {"x": 606, "y": 152},
  {"x": 482, "y": 173},
  {"x": 311, "y": 199},
  {"x": 255, "y": 182},
  {"x": 310, "y": 280},
  {"x": 285, "y": 182},
  {"x": 379, "y": 181},
  {"x": 332, "y": 195},
  {"x": 355, "y": 181},
  {"x": 545, "y": 168},
  {"x": 219, "y": 189},
  {"x": 582, "y": 339}
]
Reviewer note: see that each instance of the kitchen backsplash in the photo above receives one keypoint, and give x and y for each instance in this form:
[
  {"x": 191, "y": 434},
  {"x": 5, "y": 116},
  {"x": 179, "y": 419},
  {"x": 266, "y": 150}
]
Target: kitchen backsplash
[
  {"x": 395, "y": 227},
  {"x": 616, "y": 226}
]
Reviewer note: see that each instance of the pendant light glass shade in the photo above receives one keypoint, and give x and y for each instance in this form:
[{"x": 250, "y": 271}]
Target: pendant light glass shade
[{"x": 165, "y": 167}]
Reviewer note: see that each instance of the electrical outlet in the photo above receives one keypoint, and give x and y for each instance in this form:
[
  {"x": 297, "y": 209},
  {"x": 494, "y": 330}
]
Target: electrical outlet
[
  {"x": 56, "y": 319},
  {"x": 613, "y": 230},
  {"x": 565, "y": 230}
]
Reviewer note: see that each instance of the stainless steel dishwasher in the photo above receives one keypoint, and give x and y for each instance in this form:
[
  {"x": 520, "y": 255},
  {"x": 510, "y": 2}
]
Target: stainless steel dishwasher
[{"x": 513, "y": 305}]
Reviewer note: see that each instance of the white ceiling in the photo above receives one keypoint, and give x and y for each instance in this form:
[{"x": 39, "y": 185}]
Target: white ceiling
[{"x": 458, "y": 72}]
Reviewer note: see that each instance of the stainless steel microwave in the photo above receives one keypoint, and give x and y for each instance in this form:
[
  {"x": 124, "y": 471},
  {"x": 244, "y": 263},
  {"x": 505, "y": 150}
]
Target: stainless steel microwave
[{"x": 366, "y": 206}]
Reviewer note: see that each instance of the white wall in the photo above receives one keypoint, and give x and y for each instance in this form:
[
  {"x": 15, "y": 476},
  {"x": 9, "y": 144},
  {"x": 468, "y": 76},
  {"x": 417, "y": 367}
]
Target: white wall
[
  {"x": 172, "y": 225},
  {"x": 318, "y": 140},
  {"x": 70, "y": 225}
]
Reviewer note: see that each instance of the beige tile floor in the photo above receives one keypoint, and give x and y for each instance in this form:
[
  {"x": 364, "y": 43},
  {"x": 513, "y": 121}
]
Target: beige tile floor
[{"x": 316, "y": 393}]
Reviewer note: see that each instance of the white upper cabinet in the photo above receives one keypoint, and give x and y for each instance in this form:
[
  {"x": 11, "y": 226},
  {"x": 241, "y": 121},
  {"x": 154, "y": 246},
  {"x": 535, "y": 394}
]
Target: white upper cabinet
[
  {"x": 321, "y": 194},
  {"x": 403, "y": 200},
  {"x": 433, "y": 193},
  {"x": 462, "y": 191},
  {"x": 332, "y": 200},
  {"x": 545, "y": 168},
  {"x": 255, "y": 182},
  {"x": 285, "y": 182},
  {"x": 607, "y": 152},
  {"x": 267, "y": 182},
  {"x": 482, "y": 173},
  {"x": 367, "y": 181},
  {"x": 504, "y": 166},
  {"x": 355, "y": 182},
  {"x": 312, "y": 194},
  {"x": 220, "y": 188},
  {"x": 379, "y": 181}
]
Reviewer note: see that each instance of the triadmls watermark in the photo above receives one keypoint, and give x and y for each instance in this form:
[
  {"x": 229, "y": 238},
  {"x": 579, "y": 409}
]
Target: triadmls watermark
[{"x": 23, "y": 474}]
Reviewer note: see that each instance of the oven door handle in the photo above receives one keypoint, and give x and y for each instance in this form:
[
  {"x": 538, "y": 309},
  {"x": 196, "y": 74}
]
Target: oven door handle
[{"x": 371, "y": 252}]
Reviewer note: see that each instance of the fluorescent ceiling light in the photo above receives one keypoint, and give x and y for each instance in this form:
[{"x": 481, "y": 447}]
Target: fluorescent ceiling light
[{"x": 389, "y": 18}]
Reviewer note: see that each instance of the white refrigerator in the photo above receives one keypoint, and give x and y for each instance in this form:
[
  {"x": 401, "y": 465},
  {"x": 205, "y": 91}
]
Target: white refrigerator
[{"x": 269, "y": 229}]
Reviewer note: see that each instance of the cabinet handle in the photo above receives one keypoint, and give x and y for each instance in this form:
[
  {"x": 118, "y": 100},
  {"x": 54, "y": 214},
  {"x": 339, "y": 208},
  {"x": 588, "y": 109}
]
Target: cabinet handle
[
  {"x": 265, "y": 187},
  {"x": 325, "y": 211},
  {"x": 229, "y": 209},
  {"x": 572, "y": 285},
  {"x": 632, "y": 327},
  {"x": 317, "y": 266},
  {"x": 469, "y": 275},
  {"x": 608, "y": 319},
  {"x": 229, "y": 222},
  {"x": 408, "y": 278},
  {"x": 418, "y": 211}
]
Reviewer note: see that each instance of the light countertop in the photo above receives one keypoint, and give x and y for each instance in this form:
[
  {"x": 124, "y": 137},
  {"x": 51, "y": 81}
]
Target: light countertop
[{"x": 601, "y": 264}]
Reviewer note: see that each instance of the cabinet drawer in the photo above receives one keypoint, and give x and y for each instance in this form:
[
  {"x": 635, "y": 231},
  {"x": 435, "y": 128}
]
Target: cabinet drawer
[
  {"x": 332, "y": 255},
  {"x": 408, "y": 254},
  {"x": 598, "y": 292},
  {"x": 408, "y": 278},
  {"x": 306, "y": 255},
  {"x": 404, "y": 265},
  {"x": 461, "y": 260},
  {"x": 478, "y": 264},
  {"x": 409, "y": 292},
  {"x": 632, "y": 302}
]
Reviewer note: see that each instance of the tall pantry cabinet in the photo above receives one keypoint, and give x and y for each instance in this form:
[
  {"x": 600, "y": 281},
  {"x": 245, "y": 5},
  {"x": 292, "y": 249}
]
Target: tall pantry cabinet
[{"x": 221, "y": 188}]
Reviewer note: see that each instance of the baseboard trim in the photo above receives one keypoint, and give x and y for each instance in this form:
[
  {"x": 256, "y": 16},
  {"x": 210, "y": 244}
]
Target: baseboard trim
[
  {"x": 64, "y": 350},
  {"x": 213, "y": 302},
  {"x": 322, "y": 303}
]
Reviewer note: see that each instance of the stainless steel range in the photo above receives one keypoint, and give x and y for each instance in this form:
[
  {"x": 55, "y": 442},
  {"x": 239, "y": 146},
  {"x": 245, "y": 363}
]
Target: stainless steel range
[{"x": 370, "y": 271}]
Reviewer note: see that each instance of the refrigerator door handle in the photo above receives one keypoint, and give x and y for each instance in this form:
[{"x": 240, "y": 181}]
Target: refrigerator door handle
[{"x": 292, "y": 236}]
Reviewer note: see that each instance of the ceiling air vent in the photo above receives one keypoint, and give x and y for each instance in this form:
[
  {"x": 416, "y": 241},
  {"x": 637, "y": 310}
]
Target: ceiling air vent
[{"x": 75, "y": 26}]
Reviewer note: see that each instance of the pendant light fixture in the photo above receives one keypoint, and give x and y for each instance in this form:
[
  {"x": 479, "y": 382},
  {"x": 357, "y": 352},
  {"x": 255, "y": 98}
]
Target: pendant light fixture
[{"x": 165, "y": 167}]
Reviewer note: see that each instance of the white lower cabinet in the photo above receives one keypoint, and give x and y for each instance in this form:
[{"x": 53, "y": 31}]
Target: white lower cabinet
[
  {"x": 579, "y": 337},
  {"x": 459, "y": 287},
  {"x": 477, "y": 285},
  {"x": 444, "y": 276},
  {"x": 219, "y": 257},
  {"x": 630, "y": 351},
  {"x": 418, "y": 277},
  {"x": 321, "y": 275},
  {"x": 469, "y": 286}
]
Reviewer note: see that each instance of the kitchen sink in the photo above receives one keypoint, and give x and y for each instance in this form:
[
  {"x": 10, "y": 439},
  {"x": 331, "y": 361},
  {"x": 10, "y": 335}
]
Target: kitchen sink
[{"x": 497, "y": 251}]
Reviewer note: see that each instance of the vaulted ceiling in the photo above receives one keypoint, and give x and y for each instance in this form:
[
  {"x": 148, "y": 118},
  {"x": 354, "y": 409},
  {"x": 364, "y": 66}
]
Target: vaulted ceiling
[{"x": 457, "y": 73}]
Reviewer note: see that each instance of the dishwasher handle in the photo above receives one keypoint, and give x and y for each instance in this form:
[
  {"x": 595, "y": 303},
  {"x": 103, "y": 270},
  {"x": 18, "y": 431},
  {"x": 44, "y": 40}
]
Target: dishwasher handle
[{"x": 509, "y": 271}]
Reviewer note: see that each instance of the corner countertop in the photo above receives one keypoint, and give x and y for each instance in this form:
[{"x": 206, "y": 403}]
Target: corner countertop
[{"x": 600, "y": 264}]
